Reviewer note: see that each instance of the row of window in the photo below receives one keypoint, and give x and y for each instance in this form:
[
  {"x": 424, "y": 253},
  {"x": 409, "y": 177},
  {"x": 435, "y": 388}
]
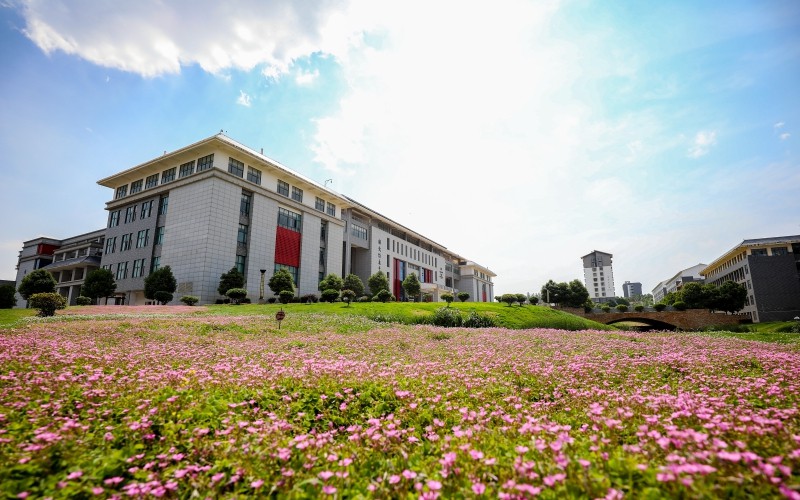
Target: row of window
[
  {"x": 167, "y": 175},
  {"x": 144, "y": 211},
  {"x": 411, "y": 252},
  {"x": 126, "y": 240},
  {"x": 121, "y": 269},
  {"x": 236, "y": 168}
]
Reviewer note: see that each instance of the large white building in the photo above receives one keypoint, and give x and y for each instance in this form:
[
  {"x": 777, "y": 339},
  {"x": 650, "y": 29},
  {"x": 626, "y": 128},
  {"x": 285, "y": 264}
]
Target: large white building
[
  {"x": 598, "y": 276},
  {"x": 676, "y": 282},
  {"x": 216, "y": 204}
]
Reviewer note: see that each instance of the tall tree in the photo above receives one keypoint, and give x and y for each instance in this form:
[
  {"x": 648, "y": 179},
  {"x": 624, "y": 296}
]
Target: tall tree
[
  {"x": 378, "y": 282},
  {"x": 693, "y": 295},
  {"x": 411, "y": 285},
  {"x": 578, "y": 294},
  {"x": 7, "y": 299},
  {"x": 281, "y": 281},
  {"x": 38, "y": 281},
  {"x": 161, "y": 280},
  {"x": 98, "y": 284},
  {"x": 231, "y": 279},
  {"x": 354, "y": 283},
  {"x": 331, "y": 282},
  {"x": 732, "y": 297}
]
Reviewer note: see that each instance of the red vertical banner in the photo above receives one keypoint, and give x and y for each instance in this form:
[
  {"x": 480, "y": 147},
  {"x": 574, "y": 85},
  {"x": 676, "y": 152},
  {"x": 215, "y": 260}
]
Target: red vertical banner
[{"x": 287, "y": 247}]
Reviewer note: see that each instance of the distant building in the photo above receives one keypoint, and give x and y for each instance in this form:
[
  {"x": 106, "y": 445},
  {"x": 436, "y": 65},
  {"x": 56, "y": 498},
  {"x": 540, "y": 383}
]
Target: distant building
[
  {"x": 631, "y": 290},
  {"x": 598, "y": 275},
  {"x": 68, "y": 260},
  {"x": 676, "y": 282},
  {"x": 770, "y": 269}
]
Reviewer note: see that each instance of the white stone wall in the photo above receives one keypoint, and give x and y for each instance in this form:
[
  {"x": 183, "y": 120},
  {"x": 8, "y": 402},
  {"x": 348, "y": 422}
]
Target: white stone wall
[
  {"x": 309, "y": 255},
  {"x": 261, "y": 252}
]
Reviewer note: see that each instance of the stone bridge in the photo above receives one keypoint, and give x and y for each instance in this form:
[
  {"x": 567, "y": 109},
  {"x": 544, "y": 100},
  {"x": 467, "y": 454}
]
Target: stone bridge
[{"x": 691, "y": 319}]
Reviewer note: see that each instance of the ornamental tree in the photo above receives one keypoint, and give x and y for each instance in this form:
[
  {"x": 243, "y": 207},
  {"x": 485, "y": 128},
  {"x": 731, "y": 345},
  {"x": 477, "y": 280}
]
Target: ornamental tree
[
  {"x": 161, "y": 280},
  {"x": 412, "y": 286},
  {"x": 98, "y": 284},
  {"x": 354, "y": 283},
  {"x": 38, "y": 281},
  {"x": 377, "y": 282},
  {"x": 281, "y": 281},
  {"x": 331, "y": 282},
  {"x": 231, "y": 279},
  {"x": 463, "y": 296}
]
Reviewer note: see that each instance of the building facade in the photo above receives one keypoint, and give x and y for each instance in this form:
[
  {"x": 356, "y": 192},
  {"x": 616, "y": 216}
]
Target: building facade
[
  {"x": 676, "y": 282},
  {"x": 217, "y": 204},
  {"x": 770, "y": 270},
  {"x": 598, "y": 276},
  {"x": 631, "y": 290}
]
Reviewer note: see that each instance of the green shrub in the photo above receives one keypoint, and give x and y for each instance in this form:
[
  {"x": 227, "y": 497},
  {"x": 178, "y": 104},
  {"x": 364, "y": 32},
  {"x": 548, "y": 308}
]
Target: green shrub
[
  {"x": 606, "y": 308},
  {"x": 310, "y": 298},
  {"x": 509, "y": 298},
  {"x": 271, "y": 300},
  {"x": 364, "y": 298},
  {"x": 476, "y": 320},
  {"x": 447, "y": 297},
  {"x": 236, "y": 295},
  {"x": 348, "y": 296},
  {"x": 83, "y": 301},
  {"x": 330, "y": 295},
  {"x": 639, "y": 308},
  {"x": 285, "y": 296},
  {"x": 7, "y": 298},
  {"x": 384, "y": 295},
  {"x": 622, "y": 308},
  {"x": 190, "y": 300},
  {"x": 680, "y": 306},
  {"x": 47, "y": 303},
  {"x": 660, "y": 306},
  {"x": 522, "y": 298},
  {"x": 463, "y": 296},
  {"x": 533, "y": 300},
  {"x": 447, "y": 316},
  {"x": 162, "y": 297}
]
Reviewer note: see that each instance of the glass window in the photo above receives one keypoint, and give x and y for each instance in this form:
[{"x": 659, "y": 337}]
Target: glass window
[
  {"x": 136, "y": 186},
  {"x": 236, "y": 167},
  {"x": 283, "y": 188},
  {"x": 125, "y": 244},
  {"x": 205, "y": 163},
  {"x": 159, "y": 240},
  {"x": 186, "y": 169},
  {"x": 151, "y": 181},
  {"x": 113, "y": 219},
  {"x": 138, "y": 268},
  {"x": 297, "y": 193},
  {"x": 247, "y": 200},
  {"x": 130, "y": 214},
  {"x": 163, "y": 204},
  {"x": 242, "y": 237},
  {"x": 168, "y": 175},
  {"x": 241, "y": 260},
  {"x": 359, "y": 231},
  {"x": 331, "y": 209},
  {"x": 319, "y": 204},
  {"x": 254, "y": 175},
  {"x": 147, "y": 209},
  {"x": 289, "y": 219},
  {"x": 122, "y": 270},
  {"x": 143, "y": 238},
  {"x": 121, "y": 192},
  {"x": 155, "y": 264},
  {"x": 111, "y": 245},
  {"x": 779, "y": 251}
]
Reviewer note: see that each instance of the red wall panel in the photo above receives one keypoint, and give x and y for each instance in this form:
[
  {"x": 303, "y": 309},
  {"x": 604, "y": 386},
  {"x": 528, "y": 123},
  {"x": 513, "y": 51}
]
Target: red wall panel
[{"x": 287, "y": 247}]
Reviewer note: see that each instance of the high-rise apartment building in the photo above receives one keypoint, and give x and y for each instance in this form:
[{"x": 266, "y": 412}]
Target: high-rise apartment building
[
  {"x": 217, "y": 204},
  {"x": 631, "y": 290},
  {"x": 598, "y": 275}
]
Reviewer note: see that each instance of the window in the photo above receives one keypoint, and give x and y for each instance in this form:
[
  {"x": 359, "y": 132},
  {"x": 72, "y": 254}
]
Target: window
[
  {"x": 359, "y": 231},
  {"x": 242, "y": 236},
  {"x": 297, "y": 193},
  {"x": 779, "y": 251},
  {"x": 122, "y": 191},
  {"x": 113, "y": 219},
  {"x": 323, "y": 231},
  {"x": 163, "y": 204},
  {"x": 125, "y": 244},
  {"x": 186, "y": 169},
  {"x": 254, "y": 175},
  {"x": 155, "y": 264},
  {"x": 122, "y": 270},
  {"x": 151, "y": 181},
  {"x": 143, "y": 238},
  {"x": 292, "y": 270},
  {"x": 111, "y": 245},
  {"x": 760, "y": 251},
  {"x": 130, "y": 214},
  {"x": 289, "y": 219},
  {"x": 331, "y": 209},
  {"x": 236, "y": 167},
  {"x": 319, "y": 204},
  {"x": 205, "y": 163},
  {"x": 283, "y": 188},
  {"x": 159, "y": 239},
  {"x": 247, "y": 200},
  {"x": 240, "y": 262},
  {"x": 138, "y": 268},
  {"x": 147, "y": 209},
  {"x": 168, "y": 175},
  {"x": 136, "y": 186}
]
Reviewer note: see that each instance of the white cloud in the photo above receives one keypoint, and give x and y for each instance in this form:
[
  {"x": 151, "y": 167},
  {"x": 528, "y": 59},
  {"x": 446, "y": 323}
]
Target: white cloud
[
  {"x": 702, "y": 143},
  {"x": 151, "y": 37},
  {"x": 785, "y": 136},
  {"x": 244, "y": 99},
  {"x": 778, "y": 125},
  {"x": 306, "y": 77}
]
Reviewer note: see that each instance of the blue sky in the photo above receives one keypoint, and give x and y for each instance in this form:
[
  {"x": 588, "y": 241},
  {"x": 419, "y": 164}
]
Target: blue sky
[{"x": 522, "y": 135}]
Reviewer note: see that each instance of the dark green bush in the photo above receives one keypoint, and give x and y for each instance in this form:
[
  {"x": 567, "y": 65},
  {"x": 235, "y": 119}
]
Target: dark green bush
[
  {"x": 236, "y": 295},
  {"x": 162, "y": 297},
  {"x": 476, "y": 320},
  {"x": 348, "y": 296},
  {"x": 463, "y": 296},
  {"x": 660, "y": 306},
  {"x": 606, "y": 308},
  {"x": 331, "y": 294},
  {"x": 190, "y": 300},
  {"x": 680, "y": 306},
  {"x": 285, "y": 296},
  {"x": 271, "y": 300},
  {"x": 47, "y": 303},
  {"x": 447, "y": 297},
  {"x": 7, "y": 298},
  {"x": 384, "y": 295},
  {"x": 83, "y": 301},
  {"x": 638, "y": 308},
  {"x": 622, "y": 308},
  {"x": 447, "y": 316},
  {"x": 310, "y": 298}
]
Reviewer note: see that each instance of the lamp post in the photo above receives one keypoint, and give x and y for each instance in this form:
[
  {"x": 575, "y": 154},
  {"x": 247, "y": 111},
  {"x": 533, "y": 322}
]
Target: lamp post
[{"x": 261, "y": 288}]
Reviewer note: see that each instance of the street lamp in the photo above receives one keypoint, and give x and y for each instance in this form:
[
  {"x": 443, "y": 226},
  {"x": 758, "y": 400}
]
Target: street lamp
[{"x": 261, "y": 289}]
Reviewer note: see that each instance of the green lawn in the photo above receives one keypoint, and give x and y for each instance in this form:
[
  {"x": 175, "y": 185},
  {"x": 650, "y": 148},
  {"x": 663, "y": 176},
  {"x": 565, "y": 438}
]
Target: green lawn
[{"x": 10, "y": 316}]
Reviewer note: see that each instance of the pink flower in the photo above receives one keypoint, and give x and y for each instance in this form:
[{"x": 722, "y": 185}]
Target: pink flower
[
  {"x": 97, "y": 490},
  {"x": 394, "y": 479},
  {"x": 478, "y": 488},
  {"x": 409, "y": 474},
  {"x": 74, "y": 475},
  {"x": 325, "y": 475},
  {"x": 328, "y": 489},
  {"x": 257, "y": 483},
  {"x": 475, "y": 454},
  {"x": 434, "y": 485},
  {"x": 521, "y": 449}
]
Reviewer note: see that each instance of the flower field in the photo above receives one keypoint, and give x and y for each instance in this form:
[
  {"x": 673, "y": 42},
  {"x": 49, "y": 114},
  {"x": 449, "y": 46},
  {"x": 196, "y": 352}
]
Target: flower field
[{"x": 180, "y": 406}]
